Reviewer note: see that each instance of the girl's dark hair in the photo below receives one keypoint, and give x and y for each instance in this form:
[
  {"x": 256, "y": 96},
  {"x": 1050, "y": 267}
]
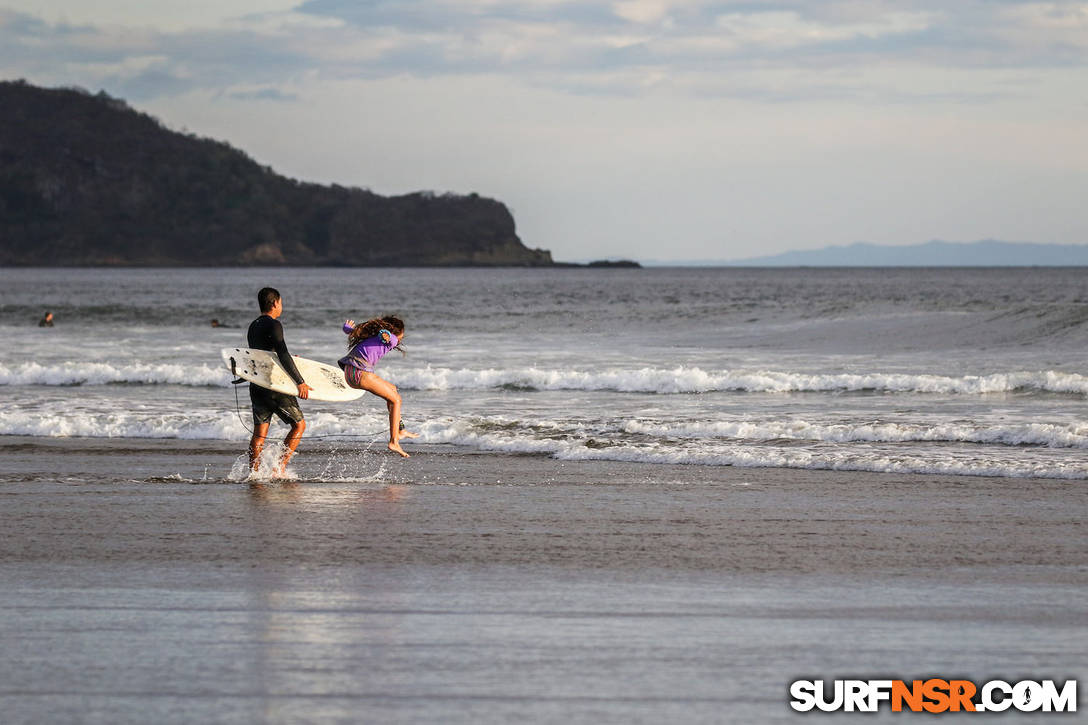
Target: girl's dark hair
[{"x": 371, "y": 328}]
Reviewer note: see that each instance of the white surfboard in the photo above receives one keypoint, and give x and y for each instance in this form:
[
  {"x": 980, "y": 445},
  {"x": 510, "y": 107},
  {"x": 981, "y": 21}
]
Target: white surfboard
[{"x": 262, "y": 367}]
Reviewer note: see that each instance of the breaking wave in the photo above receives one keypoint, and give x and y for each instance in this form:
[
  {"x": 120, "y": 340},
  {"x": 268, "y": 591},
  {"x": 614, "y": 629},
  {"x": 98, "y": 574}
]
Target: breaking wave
[
  {"x": 945, "y": 449},
  {"x": 1028, "y": 434},
  {"x": 96, "y": 373},
  {"x": 679, "y": 380},
  {"x": 989, "y": 461},
  {"x": 696, "y": 380},
  {"x": 220, "y": 425}
]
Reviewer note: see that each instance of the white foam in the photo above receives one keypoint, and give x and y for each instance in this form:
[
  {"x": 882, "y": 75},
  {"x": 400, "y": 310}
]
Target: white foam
[
  {"x": 696, "y": 380},
  {"x": 97, "y": 373},
  {"x": 134, "y": 424},
  {"x": 1037, "y": 434},
  {"x": 981, "y": 462},
  {"x": 677, "y": 380},
  {"x": 195, "y": 425},
  {"x": 850, "y": 460},
  {"x": 946, "y": 449}
]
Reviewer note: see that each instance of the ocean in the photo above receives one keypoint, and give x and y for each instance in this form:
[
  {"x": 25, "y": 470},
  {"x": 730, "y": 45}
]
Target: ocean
[
  {"x": 639, "y": 495},
  {"x": 949, "y": 371}
]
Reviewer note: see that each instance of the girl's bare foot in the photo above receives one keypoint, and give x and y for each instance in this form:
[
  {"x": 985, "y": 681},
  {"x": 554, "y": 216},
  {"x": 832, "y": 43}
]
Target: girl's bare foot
[
  {"x": 395, "y": 447},
  {"x": 408, "y": 434}
]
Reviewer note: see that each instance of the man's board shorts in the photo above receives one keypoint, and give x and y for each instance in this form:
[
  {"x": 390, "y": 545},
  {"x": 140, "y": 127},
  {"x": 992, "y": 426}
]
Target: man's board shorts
[{"x": 266, "y": 402}]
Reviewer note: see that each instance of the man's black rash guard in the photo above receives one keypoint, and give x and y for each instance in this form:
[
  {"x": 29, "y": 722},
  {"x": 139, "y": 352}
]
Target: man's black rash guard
[{"x": 266, "y": 333}]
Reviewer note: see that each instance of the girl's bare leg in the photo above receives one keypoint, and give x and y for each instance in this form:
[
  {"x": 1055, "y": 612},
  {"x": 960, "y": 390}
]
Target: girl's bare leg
[
  {"x": 371, "y": 383},
  {"x": 401, "y": 431}
]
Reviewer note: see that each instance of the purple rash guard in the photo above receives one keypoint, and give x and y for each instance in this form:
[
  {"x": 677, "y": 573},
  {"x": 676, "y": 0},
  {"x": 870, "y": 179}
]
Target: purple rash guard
[{"x": 366, "y": 354}]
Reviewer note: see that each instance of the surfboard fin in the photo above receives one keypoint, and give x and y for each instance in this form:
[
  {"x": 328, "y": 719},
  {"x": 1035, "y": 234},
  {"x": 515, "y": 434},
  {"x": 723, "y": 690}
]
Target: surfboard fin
[{"x": 237, "y": 380}]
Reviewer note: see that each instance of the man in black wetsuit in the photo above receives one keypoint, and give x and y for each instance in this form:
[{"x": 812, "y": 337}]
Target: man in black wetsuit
[{"x": 266, "y": 333}]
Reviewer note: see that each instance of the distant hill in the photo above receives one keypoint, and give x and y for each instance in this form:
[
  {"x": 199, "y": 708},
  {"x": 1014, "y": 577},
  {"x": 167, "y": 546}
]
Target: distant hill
[
  {"x": 987, "y": 253},
  {"x": 86, "y": 180}
]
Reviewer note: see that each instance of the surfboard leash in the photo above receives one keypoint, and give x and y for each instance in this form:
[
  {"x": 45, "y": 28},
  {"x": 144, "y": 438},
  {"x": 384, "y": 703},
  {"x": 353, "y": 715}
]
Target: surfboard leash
[{"x": 238, "y": 410}]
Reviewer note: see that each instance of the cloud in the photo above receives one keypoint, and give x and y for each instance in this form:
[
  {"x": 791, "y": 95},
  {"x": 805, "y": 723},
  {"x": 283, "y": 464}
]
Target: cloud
[
  {"x": 143, "y": 63},
  {"x": 629, "y": 46},
  {"x": 584, "y": 46},
  {"x": 262, "y": 94},
  {"x": 457, "y": 16}
]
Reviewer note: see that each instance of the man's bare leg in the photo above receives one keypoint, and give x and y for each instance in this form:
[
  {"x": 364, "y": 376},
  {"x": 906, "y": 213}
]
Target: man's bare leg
[
  {"x": 256, "y": 445},
  {"x": 290, "y": 443}
]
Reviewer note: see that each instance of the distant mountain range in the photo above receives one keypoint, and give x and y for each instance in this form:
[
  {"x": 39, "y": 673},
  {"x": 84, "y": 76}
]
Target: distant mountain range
[{"x": 986, "y": 253}]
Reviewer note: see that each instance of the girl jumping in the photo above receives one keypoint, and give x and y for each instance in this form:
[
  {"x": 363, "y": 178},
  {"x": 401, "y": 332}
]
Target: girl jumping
[{"x": 368, "y": 342}]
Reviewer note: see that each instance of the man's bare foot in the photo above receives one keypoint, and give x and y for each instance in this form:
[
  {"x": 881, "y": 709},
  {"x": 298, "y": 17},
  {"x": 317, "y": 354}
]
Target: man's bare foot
[
  {"x": 280, "y": 471},
  {"x": 395, "y": 447},
  {"x": 408, "y": 434}
]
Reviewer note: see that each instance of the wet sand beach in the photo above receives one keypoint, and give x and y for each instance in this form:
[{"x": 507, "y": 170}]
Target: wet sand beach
[{"x": 142, "y": 584}]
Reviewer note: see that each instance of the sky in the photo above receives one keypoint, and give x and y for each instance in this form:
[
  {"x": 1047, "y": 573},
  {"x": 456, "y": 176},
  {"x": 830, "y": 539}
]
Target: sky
[{"x": 663, "y": 130}]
